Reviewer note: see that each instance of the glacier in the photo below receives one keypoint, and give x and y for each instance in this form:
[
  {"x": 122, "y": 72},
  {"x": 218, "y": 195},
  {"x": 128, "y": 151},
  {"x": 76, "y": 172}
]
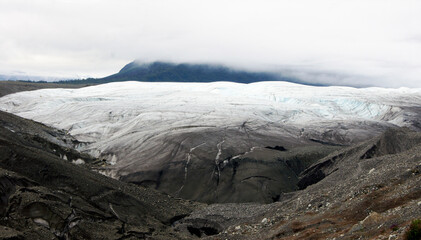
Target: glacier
[{"x": 159, "y": 134}]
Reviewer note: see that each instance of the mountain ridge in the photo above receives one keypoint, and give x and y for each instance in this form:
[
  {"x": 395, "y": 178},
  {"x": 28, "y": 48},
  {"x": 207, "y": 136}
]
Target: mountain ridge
[{"x": 160, "y": 71}]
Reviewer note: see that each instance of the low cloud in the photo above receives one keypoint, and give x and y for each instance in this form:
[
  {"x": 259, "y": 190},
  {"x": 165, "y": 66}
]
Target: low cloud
[{"x": 365, "y": 43}]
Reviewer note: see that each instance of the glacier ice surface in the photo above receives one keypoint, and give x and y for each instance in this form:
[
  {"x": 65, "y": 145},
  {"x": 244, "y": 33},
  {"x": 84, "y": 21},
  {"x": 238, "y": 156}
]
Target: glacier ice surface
[{"x": 123, "y": 116}]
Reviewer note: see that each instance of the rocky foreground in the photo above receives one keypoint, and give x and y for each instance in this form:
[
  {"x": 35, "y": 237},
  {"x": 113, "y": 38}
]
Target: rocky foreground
[
  {"x": 368, "y": 191},
  {"x": 45, "y": 197},
  {"x": 372, "y": 189}
]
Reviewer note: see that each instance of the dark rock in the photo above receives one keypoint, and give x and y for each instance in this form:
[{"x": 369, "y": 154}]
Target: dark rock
[{"x": 44, "y": 196}]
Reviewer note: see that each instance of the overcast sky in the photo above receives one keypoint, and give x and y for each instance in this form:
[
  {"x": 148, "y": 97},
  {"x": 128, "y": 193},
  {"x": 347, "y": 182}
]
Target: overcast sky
[{"x": 354, "y": 42}]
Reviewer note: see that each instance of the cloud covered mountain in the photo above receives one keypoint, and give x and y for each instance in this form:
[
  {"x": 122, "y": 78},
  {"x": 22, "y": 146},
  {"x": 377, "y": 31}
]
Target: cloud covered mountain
[{"x": 186, "y": 72}]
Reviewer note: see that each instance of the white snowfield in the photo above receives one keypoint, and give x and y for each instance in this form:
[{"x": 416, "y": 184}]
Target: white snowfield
[{"x": 121, "y": 119}]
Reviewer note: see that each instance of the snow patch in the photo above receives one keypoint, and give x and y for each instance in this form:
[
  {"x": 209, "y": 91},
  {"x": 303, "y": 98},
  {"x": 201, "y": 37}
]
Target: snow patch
[{"x": 78, "y": 161}]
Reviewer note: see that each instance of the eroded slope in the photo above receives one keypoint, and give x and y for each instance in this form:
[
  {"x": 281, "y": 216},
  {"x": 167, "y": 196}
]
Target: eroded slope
[
  {"x": 359, "y": 197},
  {"x": 45, "y": 196}
]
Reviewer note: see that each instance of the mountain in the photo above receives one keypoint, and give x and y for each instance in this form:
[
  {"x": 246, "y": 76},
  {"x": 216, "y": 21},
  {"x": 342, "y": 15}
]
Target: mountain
[
  {"x": 171, "y": 72},
  {"x": 20, "y": 76},
  {"x": 9, "y": 87},
  {"x": 216, "y": 142}
]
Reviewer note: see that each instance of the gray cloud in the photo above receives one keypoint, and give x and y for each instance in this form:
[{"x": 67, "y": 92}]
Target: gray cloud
[{"x": 368, "y": 42}]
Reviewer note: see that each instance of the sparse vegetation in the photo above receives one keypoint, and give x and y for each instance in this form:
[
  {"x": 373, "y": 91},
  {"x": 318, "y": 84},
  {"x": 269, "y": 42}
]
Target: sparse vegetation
[
  {"x": 394, "y": 227},
  {"x": 414, "y": 231}
]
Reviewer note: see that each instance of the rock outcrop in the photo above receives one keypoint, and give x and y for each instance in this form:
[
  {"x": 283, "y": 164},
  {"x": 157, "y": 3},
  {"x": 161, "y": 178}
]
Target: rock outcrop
[{"x": 44, "y": 196}]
